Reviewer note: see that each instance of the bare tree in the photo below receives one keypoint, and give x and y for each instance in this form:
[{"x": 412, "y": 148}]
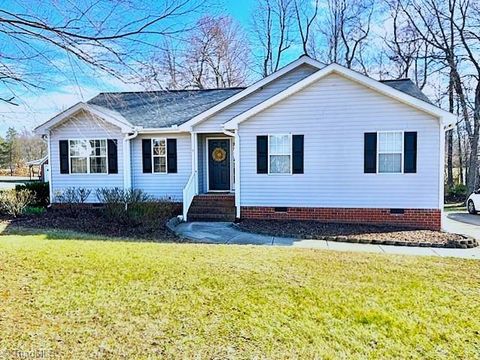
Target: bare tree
[
  {"x": 218, "y": 54},
  {"x": 451, "y": 28},
  {"x": 410, "y": 56},
  {"x": 272, "y": 25},
  {"x": 344, "y": 27},
  {"x": 98, "y": 34},
  {"x": 214, "y": 55},
  {"x": 305, "y": 14}
]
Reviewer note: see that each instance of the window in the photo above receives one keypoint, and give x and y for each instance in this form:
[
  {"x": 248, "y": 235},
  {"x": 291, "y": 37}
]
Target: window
[
  {"x": 88, "y": 156},
  {"x": 98, "y": 156},
  {"x": 280, "y": 154},
  {"x": 390, "y": 152},
  {"x": 159, "y": 155}
]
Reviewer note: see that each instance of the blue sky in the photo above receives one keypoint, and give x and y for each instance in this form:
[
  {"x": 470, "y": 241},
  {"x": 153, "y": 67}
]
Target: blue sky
[{"x": 68, "y": 81}]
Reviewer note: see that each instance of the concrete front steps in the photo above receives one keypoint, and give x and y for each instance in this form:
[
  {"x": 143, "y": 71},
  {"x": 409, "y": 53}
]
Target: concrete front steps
[{"x": 212, "y": 207}]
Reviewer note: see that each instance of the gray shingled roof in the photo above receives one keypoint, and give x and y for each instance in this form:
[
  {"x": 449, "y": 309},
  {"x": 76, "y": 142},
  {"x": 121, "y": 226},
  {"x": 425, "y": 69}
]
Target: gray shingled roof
[
  {"x": 155, "y": 109},
  {"x": 408, "y": 87}
]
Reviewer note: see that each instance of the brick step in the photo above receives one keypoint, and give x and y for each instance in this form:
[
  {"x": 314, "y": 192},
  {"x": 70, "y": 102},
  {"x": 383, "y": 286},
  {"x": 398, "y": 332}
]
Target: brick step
[
  {"x": 211, "y": 217},
  {"x": 212, "y": 204},
  {"x": 211, "y": 199},
  {"x": 211, "y": 209}
]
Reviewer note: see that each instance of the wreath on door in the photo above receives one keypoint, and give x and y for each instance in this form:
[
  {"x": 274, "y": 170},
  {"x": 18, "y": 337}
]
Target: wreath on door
[{"x": 218, "y": 154}]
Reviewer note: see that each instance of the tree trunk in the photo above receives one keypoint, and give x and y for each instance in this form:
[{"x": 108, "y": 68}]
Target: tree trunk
[
  {"x": 473, "y": 164},
  {"x": 449, "y": 135},
  {"x": 460, "y": 156},
  {"x": 449, "y": 140}
]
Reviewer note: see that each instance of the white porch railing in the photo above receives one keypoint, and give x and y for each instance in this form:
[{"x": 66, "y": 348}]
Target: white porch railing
[{"x": 189, "y": 192}]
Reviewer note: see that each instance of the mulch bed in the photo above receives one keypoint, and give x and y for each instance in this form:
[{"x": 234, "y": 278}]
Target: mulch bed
[
  {"x": 93, "y": 221},
  {"x": 357, "y": 233}
]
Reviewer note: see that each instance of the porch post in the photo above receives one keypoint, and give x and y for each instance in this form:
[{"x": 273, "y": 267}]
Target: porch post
[
  {"x": 236, "y": 155},
  {"x": 195, "y": 160}
]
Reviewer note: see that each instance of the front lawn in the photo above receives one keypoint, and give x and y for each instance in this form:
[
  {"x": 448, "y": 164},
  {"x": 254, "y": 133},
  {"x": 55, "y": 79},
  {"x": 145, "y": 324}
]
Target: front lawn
[{"x": 111, "y": 299}]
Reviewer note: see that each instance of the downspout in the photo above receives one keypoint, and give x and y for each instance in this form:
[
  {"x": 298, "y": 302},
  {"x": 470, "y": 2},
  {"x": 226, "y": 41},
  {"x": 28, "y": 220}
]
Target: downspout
[
  {"x": 46, "y": 138},
  {"x": 127, "y": 166}
]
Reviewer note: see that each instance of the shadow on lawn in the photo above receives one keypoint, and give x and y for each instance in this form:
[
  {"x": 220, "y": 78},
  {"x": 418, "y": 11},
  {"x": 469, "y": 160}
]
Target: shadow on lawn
[
  {"x": 90, "y": 224},
  {"x": 15, "y": 227}
]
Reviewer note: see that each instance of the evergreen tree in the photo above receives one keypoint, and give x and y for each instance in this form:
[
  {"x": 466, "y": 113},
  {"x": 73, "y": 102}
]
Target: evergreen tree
[{"x": 10, "y": 149}]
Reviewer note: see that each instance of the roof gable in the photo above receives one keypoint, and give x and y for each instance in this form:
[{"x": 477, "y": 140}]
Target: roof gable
[
  {"x": 108, "y": 115},
  {"x": 378, "y": 86},
  {"x": 303, "y": 60}
]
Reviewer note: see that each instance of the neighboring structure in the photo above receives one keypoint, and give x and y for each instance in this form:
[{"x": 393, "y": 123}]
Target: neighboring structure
[
  {"x": 307, "y": 142},
  {"x": 42, "y": 166}
]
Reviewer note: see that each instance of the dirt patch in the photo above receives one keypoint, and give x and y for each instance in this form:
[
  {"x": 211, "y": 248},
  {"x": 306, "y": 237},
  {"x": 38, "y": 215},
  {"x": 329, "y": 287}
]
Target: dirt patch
[
  {"x": 93, "y": 221},
  {"x": 361, "y": 233}
]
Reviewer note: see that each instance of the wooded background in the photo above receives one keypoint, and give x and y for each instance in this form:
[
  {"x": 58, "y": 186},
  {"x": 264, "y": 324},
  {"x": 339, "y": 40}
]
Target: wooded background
[{"x": 184, "y": 44}]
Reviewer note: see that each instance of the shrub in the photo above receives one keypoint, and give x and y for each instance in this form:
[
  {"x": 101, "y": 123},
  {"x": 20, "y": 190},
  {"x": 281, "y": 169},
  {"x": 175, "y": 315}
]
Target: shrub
[
  {"x": 72, "y": 195},
  {"x": 34, "y": 210},
  {"x": 13, "y": 202},
  {"x": 133, "y": 207},
  {"x": 40, "y": 191},
  {"x": 457, "y": 193}
]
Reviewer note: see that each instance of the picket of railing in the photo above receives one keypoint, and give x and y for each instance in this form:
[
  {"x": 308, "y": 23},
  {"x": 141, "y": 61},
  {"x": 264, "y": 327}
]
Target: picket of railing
[{"x": 188, "y": 195}]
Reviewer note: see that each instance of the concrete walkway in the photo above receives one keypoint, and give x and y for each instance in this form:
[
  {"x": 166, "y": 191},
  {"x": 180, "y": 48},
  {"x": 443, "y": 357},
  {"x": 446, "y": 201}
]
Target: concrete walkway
[{"x": 227, "y": 233}]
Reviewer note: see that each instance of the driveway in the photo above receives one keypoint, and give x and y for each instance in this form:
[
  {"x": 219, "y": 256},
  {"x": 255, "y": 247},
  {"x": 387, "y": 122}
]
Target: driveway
[{"x": 462, "y": 223}]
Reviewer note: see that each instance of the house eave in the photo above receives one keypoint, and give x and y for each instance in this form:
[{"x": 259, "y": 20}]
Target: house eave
[
  {"x": 117, "y": 119},
  {"x": 444, "y": 116},
  {"x": 303, "y": 60}
]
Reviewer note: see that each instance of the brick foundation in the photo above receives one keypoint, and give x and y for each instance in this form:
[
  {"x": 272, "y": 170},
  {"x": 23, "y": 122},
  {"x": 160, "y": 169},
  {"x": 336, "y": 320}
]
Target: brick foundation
[{"x": 415, "y": 218}]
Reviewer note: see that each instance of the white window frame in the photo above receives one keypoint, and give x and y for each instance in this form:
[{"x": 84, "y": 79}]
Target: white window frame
[
  {"x": 383, "y": 152},
  {"x": 87, "y": 157},
  {"x": 270, "y": 154},
  {"x": 159, "y": 156}
]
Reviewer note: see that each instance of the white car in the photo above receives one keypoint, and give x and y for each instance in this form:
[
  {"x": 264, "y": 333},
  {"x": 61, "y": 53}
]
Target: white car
[{"x": 473, "y": 202}]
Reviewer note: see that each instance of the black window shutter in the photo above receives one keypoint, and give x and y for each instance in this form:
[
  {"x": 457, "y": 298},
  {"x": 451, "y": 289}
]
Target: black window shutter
[
  {"x": 262, "y": 154},
  {"x": 410, "y": 152},
  {"x": 112, "y": 156},
  {"x": 63, "y": 145},
  {"x": 370, "y": 153},
  {"x": 297, "y": 151},
  {"x": 172, "y": 155},
  {"x": 147, "y": 155}
]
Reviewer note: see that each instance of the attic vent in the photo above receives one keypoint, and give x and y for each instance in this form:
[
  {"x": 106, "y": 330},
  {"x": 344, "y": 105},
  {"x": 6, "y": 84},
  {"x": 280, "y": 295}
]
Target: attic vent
[
  {"x": 281, "y": 209},
  {"x": 397, "y": 211}
]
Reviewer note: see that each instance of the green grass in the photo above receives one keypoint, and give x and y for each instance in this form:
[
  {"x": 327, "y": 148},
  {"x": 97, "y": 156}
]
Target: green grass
[
  {"x": 456, "y": 207},
  {"x": 92, "y": 299}
]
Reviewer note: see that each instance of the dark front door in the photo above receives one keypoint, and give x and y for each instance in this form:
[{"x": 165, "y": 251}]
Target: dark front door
[{"x": 219, "y": 164}]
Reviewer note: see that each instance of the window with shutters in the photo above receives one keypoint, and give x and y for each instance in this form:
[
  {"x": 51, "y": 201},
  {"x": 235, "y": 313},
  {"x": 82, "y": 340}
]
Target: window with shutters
[
  {"x": 280, "y": 154},
  {"x": 88, "y": 156},
  {"x": 159, "y": 155},
  {"x": 390, "y": 152}
]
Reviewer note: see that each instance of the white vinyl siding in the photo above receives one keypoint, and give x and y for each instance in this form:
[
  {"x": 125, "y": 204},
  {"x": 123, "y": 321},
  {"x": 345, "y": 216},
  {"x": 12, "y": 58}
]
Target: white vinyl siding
[
  {"x": 214, "y": 123},
  {"x": 334, "y": 113},
  {"x": 169, "y": 185},
  {"x": 84, "y": 126}
]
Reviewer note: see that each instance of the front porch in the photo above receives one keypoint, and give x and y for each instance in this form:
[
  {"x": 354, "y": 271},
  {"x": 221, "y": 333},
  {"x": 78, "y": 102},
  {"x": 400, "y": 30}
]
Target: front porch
[
  {"x": 216, "y": 163},
  {"x": 210, "y": 192}
]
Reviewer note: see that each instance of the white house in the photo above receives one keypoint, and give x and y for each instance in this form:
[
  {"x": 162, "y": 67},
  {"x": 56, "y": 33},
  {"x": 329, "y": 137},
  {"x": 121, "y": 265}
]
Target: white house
[{"x": 307, "y": 142}]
